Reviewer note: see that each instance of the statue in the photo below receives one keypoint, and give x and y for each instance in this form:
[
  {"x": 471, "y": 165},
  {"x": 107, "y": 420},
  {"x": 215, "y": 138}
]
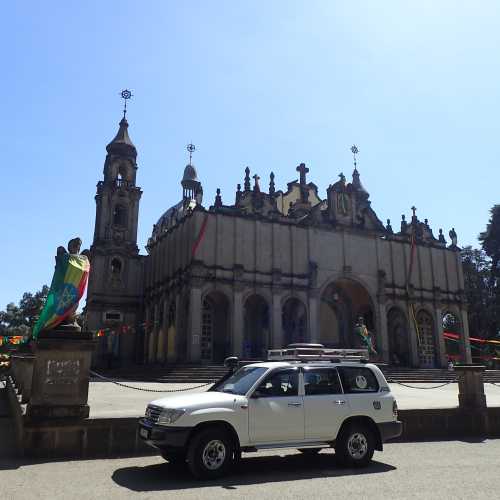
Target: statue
[
  {"x": 453, "y": 237},
  {"x": 404, "y": 224},
  {"x": 364, "y": 335},
  {"x": 67, "y": 287},
  {"x": 441, "y": 237},
  {"x": 389, "y": 227}
]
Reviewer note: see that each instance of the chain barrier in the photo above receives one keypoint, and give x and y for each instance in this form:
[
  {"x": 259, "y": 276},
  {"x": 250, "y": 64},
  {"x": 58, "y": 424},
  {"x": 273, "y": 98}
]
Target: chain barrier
[
  {"x": 121, "y": 384},
  {"x": 392, "y": 381}
]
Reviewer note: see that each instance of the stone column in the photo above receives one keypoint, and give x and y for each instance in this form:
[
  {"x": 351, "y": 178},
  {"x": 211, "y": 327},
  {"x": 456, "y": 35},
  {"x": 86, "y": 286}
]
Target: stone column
[
  {"x": 440, "y": 343},
  {"x": 238, "y": 321},
  {"x": 415, "y": 360},
  {"x": 162, "y": 344},
  {"x": 464, "y": 338},
  {"x": 194, "y": 327},
  {"x": 383, "y": 342},
  {"x": 147, "y": 334},
  {"x": 277, "y": 341},
  {"x": 314, "y": 316},
  {"x": 470, "y": 386},
  {"x": 153, "y": 338}
]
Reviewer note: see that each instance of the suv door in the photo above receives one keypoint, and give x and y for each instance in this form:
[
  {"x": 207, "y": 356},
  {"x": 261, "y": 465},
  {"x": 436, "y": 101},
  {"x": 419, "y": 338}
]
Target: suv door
[
  {"x": 276, "y": 411},
  {"x": 324, "y": 402}
]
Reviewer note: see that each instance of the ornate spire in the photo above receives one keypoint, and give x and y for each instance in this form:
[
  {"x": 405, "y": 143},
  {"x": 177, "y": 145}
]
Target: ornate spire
[
  {"x": 271, "y": 184},
  {"x": 256, "y": 186},
  {"x": 356, "y": 182},
  {"x": 246, "y": 184},
  {"x": 121, "y": 144},
  {"x": 238, "y": 193}
]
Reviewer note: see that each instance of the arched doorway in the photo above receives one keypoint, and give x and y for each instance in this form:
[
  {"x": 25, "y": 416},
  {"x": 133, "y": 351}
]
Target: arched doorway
[
  {"x": 452, "y": 331},
  {"x": 256, "y": 331},
  {"x": 215, "y": 341},
  {"x": 342, "y": 302},
  {"x": 399, "y": 347},
  {"x": 426, "y": 347},
  {"x": 294, "y": 321}
]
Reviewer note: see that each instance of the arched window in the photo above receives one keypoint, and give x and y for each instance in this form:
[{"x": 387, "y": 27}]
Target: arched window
[
  {"x": 120, "y": 215},
  {"x": 116, "y": 267}
]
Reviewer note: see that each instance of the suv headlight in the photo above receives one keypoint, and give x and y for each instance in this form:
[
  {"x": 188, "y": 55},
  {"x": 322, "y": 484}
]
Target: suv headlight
[{"x": 169, "y": 416}]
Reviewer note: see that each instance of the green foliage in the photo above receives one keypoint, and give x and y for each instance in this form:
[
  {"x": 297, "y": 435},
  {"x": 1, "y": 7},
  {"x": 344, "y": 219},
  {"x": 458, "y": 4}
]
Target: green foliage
[
  {"x": 490, "y": 241},
  {"x": 20, "y": 319}
]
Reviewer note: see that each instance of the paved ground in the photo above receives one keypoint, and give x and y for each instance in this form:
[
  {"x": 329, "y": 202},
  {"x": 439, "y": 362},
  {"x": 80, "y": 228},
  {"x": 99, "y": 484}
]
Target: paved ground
[
  {"x": 109, "y": 400},
  {"x": 443, "y": 470}
]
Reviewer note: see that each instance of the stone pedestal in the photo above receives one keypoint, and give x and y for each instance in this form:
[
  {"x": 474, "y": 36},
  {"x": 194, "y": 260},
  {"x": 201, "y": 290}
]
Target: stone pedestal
[
  {"x": 470, "y": 386},
  {"x": 60, "y": 381}
]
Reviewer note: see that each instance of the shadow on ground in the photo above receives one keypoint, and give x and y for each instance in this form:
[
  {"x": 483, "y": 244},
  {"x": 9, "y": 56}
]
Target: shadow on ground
[{"x": 252, "y": 470}]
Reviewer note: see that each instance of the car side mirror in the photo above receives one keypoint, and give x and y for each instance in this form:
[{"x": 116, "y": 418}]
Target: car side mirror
[{"x": 257, "y": 394}]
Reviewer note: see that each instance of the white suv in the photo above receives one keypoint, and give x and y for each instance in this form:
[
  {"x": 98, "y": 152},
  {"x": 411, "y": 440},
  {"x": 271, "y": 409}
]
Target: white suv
[{"x": 308, "y": 405}]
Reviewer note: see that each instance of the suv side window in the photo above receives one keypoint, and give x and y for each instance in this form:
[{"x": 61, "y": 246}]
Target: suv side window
[
  {"x": 321, "y": 381},
  {"x": 280, "y": 384},
  {"x": 358, "y": 380}
]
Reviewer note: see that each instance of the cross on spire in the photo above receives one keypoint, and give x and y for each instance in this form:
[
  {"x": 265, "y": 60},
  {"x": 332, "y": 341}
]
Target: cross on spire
[
  {"x": 126, "y": 94},
  {"x": 354, "y": 151},
  {"x": 414, "y": 210},
  {"x": 303, "y": 171},
  {"x": 191, "y": 149}
]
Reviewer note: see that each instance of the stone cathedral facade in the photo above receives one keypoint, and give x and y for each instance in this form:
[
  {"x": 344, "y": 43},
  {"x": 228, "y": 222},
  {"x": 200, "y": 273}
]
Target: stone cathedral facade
[{"x": 264, "y": 269}]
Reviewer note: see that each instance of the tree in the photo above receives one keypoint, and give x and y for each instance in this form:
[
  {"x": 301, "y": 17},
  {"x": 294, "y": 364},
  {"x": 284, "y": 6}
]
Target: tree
[
  {"x": 479, "y": 293},
  {"x": 20, "y": 319},
  {"x": 490, "y": 241}
]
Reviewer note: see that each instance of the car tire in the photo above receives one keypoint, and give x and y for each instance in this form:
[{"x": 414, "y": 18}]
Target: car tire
[
  {"x": 211, "y": 453},
  {"x": 355, "y": 446},
  {"x": 309, "y": 452}
]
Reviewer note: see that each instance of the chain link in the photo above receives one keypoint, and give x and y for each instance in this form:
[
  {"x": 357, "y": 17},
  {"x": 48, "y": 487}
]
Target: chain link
[
  {"x": 121, "y": 384},
  {"x": 392, "y": 381}
]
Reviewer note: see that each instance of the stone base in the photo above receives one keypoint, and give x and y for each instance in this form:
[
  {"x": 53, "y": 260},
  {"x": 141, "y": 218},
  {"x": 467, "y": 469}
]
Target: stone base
[{"x": 59, "y": 411}]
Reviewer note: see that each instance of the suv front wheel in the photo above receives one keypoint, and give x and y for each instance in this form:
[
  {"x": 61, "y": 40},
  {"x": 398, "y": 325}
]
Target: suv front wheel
[
  {"x": 355, "y": 446},
  {"x": 210, "y": 453}
]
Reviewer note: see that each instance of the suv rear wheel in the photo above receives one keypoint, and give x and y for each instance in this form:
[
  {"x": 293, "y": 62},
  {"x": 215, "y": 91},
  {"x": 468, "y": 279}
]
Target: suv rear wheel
[
  {"x": 210, "y": 453},
  {"x": 355, "y": 446}
]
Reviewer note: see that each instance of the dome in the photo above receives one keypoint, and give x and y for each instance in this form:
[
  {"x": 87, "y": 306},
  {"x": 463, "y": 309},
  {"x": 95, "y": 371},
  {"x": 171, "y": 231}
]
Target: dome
[{"x": 190, "y": 174}]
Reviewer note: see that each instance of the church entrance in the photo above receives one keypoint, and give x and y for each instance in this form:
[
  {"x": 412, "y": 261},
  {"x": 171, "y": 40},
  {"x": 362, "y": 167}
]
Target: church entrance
[
  {"x": 397, "y": 327},
  {"x": 215, "y": 343},
  {"x": 256, "y": 331},
  {"x": 342, "y": 302},
  {"x": 426, "y": 347},
  {"x": 294, "y": 321}
]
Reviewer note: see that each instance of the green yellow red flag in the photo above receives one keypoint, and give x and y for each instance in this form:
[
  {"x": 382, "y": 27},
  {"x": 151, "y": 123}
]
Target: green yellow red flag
[{"x": 67, "y": 287}]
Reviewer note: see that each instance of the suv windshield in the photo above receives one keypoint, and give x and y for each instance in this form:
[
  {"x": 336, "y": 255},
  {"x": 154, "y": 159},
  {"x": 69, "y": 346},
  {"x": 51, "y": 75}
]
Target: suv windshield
[{"x": 241, "y": 382}]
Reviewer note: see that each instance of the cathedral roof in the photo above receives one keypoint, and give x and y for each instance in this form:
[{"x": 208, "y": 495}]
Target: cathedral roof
[{"x": 122, "y": 144}]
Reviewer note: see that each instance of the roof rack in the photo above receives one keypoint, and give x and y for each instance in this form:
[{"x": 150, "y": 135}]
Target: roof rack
[{"x": 305, "y": 354}]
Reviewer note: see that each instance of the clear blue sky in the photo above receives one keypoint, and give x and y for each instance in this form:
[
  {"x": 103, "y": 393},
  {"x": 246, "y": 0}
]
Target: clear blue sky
[{"x": 267, "y": 84}]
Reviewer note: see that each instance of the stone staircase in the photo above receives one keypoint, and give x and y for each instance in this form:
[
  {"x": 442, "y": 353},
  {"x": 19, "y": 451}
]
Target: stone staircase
[
  {"x": 178, "y": 374},
  {"x": 431, "y": 375}
]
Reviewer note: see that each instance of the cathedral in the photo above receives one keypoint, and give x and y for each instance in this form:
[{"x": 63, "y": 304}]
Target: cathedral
[{"x": 264, "y": 269}]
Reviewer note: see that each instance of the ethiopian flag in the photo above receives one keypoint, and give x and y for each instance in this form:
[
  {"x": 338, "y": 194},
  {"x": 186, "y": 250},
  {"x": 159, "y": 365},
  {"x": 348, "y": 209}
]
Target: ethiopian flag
[{"x": 66, "y": 290}]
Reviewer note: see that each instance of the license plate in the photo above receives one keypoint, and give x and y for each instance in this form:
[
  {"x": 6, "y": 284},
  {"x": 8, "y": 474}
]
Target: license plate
[{"x": 144, "y": 433}]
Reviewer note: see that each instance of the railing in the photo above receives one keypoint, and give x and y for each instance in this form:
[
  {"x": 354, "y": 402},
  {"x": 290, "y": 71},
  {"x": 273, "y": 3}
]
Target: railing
[{"x": 316, "y": 354}]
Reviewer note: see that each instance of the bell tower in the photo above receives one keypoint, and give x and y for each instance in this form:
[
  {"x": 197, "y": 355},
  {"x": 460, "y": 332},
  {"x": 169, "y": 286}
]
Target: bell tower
[{"x": 114, "y": 298}]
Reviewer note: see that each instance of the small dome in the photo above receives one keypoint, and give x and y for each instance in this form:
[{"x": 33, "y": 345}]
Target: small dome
[{"x": 190, "y": 174}]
